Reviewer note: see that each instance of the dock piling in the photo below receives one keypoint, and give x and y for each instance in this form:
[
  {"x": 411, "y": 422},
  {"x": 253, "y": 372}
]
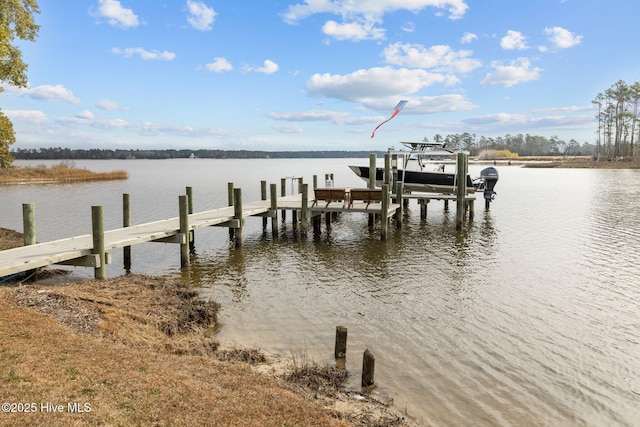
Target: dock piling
[
  {"x": 461, "y": 187},
  {"x": 263, "y": 196},
  {"x": 183, "y": 206},
  {"x": 237, "y": 214},
  {"x": 126, "y": 222},
  {"x": 231, "y": 203},
  {"x": 372, "y": 181},
  {"x": 341, "y": 342},
  {"x": 192, "y": 233},
  {"x": 304, "y": 214},
  {"x": 283, "y": 192},
  {"x": 29, "y": 223},
  {"x": 399, "y": 190},
  {"x": 29, "y": 228},
  {"x": 384, "y": 215},
  {"x": 97, "y": 231},
  {"x": 273, "y": 189}
]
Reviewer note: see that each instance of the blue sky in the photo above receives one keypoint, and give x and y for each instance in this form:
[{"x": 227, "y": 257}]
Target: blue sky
[{"x": 316, "y": 74}]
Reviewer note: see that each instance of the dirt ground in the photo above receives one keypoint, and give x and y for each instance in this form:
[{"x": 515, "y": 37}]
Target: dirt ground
[{"x": 142, "y": 350}]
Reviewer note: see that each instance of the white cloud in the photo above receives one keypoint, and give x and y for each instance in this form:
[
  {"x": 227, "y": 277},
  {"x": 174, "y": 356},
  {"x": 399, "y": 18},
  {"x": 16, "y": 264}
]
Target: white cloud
[
  {"x": 201, "y": 16},
  {"x": 35, "y": 117},
  {"x": 294, "y": 128},
  {"x": 352, "y": 8},
  {"x": 311, "y": 116},
  {"x": 219, "y": 65},
  {"x": 439, "y": 58},
  {"x": 527, "y": 122},
  {"x": 468, "y": 38},
  {"x": 372, "y": 83},
  {"x": 85, "y": 114},
  {"x": 562, "y": 38},
  {"x": 353, "y": 30},
  {"x": 144, "y": 54},
  {"x": 105, "y": 104},
  {"x": 269, "y": 67},
  {"x": 514, "y": 40},
  {"x": 517, "y": 71},
  {"x": 46, "y": 93},
  {"x": 409, "y": 27},
  {"x": 116, "y": 14}
]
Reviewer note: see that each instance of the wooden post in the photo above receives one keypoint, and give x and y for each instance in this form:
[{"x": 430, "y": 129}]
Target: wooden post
[
  {"x": 394, "y": 169},
  {"x": 29, "y": 230},
  {"x": 273, "y": 189},
  {"x": 183, "y": 206},
  {"x": 341, "y": 342},
  {"x": 472, "y": 208},
  {"x": 29, "y": 223},
  {"x": 126, "y": 222},
  {"x": 97, "y": 231},
  {"x": 263, "y": 196},
  {"x": 304, "y": 211},
  {"x": 384, "y": 220},
  {"x": 231, "y": 203},
  {"x": 283, "y": 192},
  {"x": 423, "y": 208},
  {"x": 372, "y": 181},
  {"x": 399, "y": 191},
  {"x": 387, "y": 169},
  {"x": 446, "y": 205},
  {"x": 316, "y": 224},
  {"x": 315, "y": 181},
  {"x": 461, "y": 188},
  {"x": 368, "y": 368},
  {"x": 237, "y": 214},
  {"x": 192, "y": 233}
]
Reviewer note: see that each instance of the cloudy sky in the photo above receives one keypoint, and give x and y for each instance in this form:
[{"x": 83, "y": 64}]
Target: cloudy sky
[{"x": 316, "y": 74}]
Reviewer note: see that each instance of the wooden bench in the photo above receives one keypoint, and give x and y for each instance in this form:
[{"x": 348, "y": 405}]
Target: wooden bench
[
  {"x": 367, "y": 195},
  {"x": 331, "y": 195}
]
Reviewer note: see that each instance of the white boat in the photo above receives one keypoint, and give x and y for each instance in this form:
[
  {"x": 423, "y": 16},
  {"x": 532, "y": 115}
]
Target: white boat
[{"x": 419, "y": 172}]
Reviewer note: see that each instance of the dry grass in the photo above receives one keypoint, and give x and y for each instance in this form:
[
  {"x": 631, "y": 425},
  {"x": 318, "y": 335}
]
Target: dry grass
[
  {"x": 60, "y": 173},
  {"x": 10, "y": 239},
  {"x": 140, "y": 350},
  {"x": 126, "y": 348},
  {"x": 578, "y": 162}
]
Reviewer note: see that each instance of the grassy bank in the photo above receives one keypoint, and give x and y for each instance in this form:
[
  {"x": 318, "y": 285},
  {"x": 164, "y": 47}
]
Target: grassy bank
[
  {"x": 61, "y": 173},
  {"x": 141, "y": 350}
]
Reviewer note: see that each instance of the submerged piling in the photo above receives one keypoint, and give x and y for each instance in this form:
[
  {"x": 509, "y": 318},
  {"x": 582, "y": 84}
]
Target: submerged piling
[{"x": 368, "y": 368}]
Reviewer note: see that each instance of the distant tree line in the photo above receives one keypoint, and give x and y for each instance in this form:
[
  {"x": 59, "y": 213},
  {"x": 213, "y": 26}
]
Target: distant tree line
[
  {"x": 523, "y": 145},
  {"x": 106, "y": 154},
  {"x": 618, "y": 129}
]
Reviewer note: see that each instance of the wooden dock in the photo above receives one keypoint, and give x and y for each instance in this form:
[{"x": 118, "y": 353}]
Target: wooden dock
[{"x": 92, "y": 250}]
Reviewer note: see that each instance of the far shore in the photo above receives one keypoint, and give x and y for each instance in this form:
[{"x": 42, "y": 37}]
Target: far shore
[{"x": 64, "y": 172}]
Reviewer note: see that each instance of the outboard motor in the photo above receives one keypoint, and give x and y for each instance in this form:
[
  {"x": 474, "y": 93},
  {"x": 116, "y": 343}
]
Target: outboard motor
[{"x": 490, "y": 177}]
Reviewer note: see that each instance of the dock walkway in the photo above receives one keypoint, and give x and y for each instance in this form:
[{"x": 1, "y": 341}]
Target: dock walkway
[{"x": 80, "y": 250}]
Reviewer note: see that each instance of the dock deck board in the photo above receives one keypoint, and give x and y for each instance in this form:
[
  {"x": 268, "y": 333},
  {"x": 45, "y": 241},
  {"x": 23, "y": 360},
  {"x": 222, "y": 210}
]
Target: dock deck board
[{"x": 30, "y": 257}]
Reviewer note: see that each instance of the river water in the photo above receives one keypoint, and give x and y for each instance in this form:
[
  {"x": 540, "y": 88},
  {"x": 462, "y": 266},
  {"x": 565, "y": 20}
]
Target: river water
[{"x": 529, "y": 315}]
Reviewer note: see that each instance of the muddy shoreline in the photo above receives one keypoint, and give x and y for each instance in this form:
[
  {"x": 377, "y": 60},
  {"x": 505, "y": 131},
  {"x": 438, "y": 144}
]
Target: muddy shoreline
[{"x": 149, "y": 315}]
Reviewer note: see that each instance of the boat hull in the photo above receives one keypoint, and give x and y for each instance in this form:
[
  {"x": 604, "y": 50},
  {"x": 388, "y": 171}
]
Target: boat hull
[{"x": 419, "y": 181}]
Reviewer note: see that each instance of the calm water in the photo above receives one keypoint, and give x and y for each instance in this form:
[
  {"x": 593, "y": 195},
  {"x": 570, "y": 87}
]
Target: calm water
[{"x": 528, "y": 316}]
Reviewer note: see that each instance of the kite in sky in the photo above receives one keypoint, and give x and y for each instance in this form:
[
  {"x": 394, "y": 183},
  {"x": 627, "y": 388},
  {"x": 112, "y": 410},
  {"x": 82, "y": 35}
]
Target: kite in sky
[{"x": 399, "y": 107}]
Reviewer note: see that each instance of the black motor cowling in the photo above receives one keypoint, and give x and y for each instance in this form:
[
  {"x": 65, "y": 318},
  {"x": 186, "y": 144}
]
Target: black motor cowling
[{"x": 490, "y": 177}]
